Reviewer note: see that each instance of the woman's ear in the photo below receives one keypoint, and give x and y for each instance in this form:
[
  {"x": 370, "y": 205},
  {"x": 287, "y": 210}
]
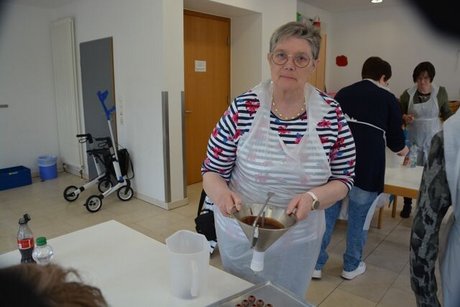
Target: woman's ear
[{"x": 315, "y": 64}]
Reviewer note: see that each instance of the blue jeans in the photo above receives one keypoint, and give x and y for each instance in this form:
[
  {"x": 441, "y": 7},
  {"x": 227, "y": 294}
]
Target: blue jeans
[{"x": 359, "y": 204}]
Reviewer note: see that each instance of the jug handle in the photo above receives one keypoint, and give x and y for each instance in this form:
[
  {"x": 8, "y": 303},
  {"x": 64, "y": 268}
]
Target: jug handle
[{"x": 195, "y": 279}]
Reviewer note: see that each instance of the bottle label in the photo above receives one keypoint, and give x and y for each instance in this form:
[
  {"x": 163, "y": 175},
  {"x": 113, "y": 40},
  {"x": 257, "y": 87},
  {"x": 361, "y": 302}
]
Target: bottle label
[{"x": 26, "y": 243}]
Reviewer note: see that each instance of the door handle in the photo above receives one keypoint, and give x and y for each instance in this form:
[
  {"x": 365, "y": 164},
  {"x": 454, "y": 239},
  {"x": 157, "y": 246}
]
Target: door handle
[{"x": 188, "y": 111}]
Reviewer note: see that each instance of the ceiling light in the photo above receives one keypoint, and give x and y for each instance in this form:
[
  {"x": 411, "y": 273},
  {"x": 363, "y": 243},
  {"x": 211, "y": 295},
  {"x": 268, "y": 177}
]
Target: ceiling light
[{"x": 376, "y": 1}]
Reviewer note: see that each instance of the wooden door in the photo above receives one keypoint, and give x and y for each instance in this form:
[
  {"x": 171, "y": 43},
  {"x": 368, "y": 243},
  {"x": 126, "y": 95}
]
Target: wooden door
[
  {"x": 318, "y": 77},
  {"x": 207, "y": 83}
]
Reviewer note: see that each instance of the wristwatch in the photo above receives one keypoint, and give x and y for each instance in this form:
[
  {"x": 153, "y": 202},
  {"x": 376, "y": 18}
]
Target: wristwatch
[{"x": 315, "y": 204}]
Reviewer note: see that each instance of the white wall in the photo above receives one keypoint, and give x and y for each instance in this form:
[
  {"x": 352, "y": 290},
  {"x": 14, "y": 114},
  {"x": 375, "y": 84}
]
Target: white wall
[
  {"x": 398, "y": 35},
  {"x": 148, "y": 51},
  {"x": 28, "y": 127},
  {"x": 142, "y": 69},
  {"x": 274, "y": 13},
  {"x": 148, "y": 38},
  {"x": 246, "y": 53}
]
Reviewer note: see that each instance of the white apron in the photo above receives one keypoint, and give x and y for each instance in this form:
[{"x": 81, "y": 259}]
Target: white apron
[
  {"x": 449, "y": 267},
  {"x": 264, "y": 163},
  {"x": 426, "y": 122}
]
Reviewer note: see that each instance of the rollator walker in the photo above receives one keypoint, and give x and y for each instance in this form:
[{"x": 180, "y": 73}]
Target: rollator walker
[
  {"x": 123, "y": 183},
  {"x": 101, "y": 157}
]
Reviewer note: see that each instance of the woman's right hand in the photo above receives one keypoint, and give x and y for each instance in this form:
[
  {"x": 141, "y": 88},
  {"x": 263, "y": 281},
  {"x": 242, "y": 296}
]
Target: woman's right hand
[
  {"x": 408, "y": 118},
  {"x": 228, "y": 202},
  {"x": 218, "y": 191},
  {"x": 404, "y": 152}
]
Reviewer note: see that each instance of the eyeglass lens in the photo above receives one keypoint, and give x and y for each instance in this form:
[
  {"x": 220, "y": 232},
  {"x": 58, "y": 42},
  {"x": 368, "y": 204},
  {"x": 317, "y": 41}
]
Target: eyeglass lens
[{"x": 301, "y": 60}]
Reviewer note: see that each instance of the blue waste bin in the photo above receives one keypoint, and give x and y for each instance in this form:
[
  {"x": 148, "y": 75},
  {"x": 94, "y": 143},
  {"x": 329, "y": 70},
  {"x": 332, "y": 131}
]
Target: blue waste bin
[{"x": 47, "y": 167}]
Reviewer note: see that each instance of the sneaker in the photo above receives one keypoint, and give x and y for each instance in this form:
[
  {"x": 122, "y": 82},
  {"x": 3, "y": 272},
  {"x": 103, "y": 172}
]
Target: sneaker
[
  {"x": 405, "y": 212},
  {"x": 358, "y": 271},
  {"x": 316, "y": 274}
]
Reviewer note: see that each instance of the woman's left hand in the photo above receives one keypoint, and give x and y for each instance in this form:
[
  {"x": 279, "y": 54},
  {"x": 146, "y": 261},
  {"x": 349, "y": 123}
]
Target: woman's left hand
[{"x": 300, "y": 205}]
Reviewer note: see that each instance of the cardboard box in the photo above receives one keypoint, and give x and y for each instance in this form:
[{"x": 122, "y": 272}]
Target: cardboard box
[{"x": 13, "y": 177}]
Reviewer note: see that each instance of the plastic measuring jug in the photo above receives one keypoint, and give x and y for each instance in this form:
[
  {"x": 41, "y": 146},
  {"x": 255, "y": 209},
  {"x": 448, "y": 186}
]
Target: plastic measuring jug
[{"x": 189, "y": 263}]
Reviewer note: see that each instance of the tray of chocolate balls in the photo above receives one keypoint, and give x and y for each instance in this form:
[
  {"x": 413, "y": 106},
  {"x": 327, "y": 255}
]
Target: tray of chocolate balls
[{"x": 262, "y": 295}]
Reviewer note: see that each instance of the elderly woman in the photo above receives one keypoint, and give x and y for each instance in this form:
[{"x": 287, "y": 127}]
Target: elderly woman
[{"x": 283, "y": 136}]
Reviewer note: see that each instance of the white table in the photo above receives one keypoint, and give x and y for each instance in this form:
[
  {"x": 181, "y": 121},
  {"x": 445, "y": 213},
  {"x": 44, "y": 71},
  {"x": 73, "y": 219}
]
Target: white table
[
  {"x": 130, "y": 268},
  {"x": 401, "y": 181}
]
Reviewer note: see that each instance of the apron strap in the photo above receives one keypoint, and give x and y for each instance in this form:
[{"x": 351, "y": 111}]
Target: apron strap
[{"x": 352, "y": 120}]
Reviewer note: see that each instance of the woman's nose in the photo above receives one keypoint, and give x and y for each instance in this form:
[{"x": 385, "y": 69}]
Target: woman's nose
[{"x": 290, "y": 63}]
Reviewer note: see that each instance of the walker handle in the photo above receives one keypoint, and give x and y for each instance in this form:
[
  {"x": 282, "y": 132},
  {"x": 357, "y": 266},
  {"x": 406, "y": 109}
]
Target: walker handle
[{"x": 85, "y": 137}]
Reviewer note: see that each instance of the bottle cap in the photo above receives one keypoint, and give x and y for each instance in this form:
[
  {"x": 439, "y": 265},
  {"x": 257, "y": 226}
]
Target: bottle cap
[
  {"x": 24, "y": 219},
  {"x": 41, "y": 241}
]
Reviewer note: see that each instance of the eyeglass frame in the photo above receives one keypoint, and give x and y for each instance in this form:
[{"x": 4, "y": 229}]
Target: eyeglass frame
[{"x": 272, "y": 55}]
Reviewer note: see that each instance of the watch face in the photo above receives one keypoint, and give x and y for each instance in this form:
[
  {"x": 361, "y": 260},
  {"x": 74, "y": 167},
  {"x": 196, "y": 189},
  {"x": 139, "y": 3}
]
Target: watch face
[{"x": 315, "y": 204}]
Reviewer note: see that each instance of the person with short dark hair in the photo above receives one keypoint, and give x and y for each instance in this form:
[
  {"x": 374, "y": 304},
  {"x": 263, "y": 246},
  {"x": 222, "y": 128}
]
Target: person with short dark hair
[
  {"x": 424, "y": 106},
  {"x": 375, "y": 122},
  {"x": 32, "y": 285}
]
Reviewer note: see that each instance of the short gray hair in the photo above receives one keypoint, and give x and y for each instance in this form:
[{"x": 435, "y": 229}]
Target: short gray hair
[{"x": 298, "y": 30}]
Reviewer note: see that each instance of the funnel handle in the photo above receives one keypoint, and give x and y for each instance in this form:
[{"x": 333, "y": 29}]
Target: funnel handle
[{"x": 195, "y": 279}]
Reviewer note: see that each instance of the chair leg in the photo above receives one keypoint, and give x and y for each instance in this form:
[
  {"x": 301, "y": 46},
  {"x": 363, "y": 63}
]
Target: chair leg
[
  {"x": 395, "y": 205},
  {"x": 379, "y": 220}
]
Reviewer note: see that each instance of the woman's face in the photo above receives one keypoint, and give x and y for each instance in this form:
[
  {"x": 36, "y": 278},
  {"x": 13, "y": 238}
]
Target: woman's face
[
  {"x": 424, "y": 83},
  {"x": 289, "y": 76}
]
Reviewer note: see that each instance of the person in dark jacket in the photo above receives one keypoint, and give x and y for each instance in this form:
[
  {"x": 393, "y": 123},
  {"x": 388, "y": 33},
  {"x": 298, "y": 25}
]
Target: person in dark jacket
[{"x": 375, "y": 122}]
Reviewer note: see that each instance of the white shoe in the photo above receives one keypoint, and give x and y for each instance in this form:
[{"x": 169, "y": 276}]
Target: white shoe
[
  {"x": 316, "y": 274},
  {"x": 358, "y": 271}
]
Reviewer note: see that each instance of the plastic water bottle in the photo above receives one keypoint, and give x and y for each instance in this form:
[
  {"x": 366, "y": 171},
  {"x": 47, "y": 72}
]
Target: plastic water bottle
[
  {"x": 43, "y": 252},
  {"x": 25, "y": 239},
  {"x": 413, "y": 153}
]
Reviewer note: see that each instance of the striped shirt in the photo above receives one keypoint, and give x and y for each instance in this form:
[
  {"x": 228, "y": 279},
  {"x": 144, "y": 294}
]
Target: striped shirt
[{"x": 237, "y": 120}]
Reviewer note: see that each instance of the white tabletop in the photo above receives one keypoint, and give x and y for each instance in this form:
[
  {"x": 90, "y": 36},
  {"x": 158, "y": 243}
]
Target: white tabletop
[
  {"x": 399, "y": 175},
  {"x": 404, "y": 177},
  {"x": 131, "y": 269}
]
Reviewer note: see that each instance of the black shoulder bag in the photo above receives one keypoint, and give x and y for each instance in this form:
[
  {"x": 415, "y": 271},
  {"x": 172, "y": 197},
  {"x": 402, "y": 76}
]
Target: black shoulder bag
[{"x": 204, "y": 221}]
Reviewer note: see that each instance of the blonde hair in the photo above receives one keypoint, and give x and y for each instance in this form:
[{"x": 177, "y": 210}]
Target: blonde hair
[{"x": 49, "y": 285}]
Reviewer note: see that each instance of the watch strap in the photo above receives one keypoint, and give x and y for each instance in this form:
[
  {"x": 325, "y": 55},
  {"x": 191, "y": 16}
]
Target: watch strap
[{"x": 315, "y": 203}]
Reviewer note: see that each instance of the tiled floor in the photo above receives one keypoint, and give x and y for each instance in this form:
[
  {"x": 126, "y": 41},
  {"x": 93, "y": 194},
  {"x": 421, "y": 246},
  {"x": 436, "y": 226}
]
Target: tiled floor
[{"x": 385, "y": 283}]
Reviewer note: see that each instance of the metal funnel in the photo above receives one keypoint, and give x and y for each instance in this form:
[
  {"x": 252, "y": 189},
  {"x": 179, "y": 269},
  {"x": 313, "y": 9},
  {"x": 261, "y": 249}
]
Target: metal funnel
[{"x": 266, "y": 233}]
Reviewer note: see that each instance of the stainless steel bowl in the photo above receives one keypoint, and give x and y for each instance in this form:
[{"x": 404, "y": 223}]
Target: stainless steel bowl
[{"x": 262, "y": 238}]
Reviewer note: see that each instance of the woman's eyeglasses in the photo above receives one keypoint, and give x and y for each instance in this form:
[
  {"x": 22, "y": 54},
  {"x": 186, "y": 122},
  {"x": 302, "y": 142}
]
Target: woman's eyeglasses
[{"x": 301, "y": 60}]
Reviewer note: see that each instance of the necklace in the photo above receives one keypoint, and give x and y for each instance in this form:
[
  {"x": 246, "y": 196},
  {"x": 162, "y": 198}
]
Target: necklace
[{"x": 280, "y": 115}]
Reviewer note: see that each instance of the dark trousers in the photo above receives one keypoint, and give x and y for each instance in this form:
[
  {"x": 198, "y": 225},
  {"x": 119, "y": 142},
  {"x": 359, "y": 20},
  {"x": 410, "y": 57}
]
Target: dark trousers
[{"x": 407, "y": 201}]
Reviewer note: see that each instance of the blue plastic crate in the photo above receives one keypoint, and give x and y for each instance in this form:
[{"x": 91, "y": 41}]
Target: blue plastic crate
[{"x": 13, "y": 177}]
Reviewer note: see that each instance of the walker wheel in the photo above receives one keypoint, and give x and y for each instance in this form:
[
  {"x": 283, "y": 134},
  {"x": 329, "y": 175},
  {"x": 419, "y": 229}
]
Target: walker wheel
[
  {"x": 93, "y": 203},
  {"x": 69, "y": 193},
  {"x": 125, "y": 193},
  {"x": 104, "y": 185}
]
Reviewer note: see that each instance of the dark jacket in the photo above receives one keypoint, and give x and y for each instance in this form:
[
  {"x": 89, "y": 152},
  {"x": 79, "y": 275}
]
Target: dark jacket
[{"x": 368, "y": 102}]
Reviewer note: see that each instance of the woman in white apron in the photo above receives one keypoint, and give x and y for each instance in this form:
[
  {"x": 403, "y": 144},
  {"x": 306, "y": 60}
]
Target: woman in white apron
[
  {"x": 425, "y": 122},
  {"x": 439, "y": 192},
  {"x": 297, "y": 172},
  {"x": 423, "y": 106}
]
